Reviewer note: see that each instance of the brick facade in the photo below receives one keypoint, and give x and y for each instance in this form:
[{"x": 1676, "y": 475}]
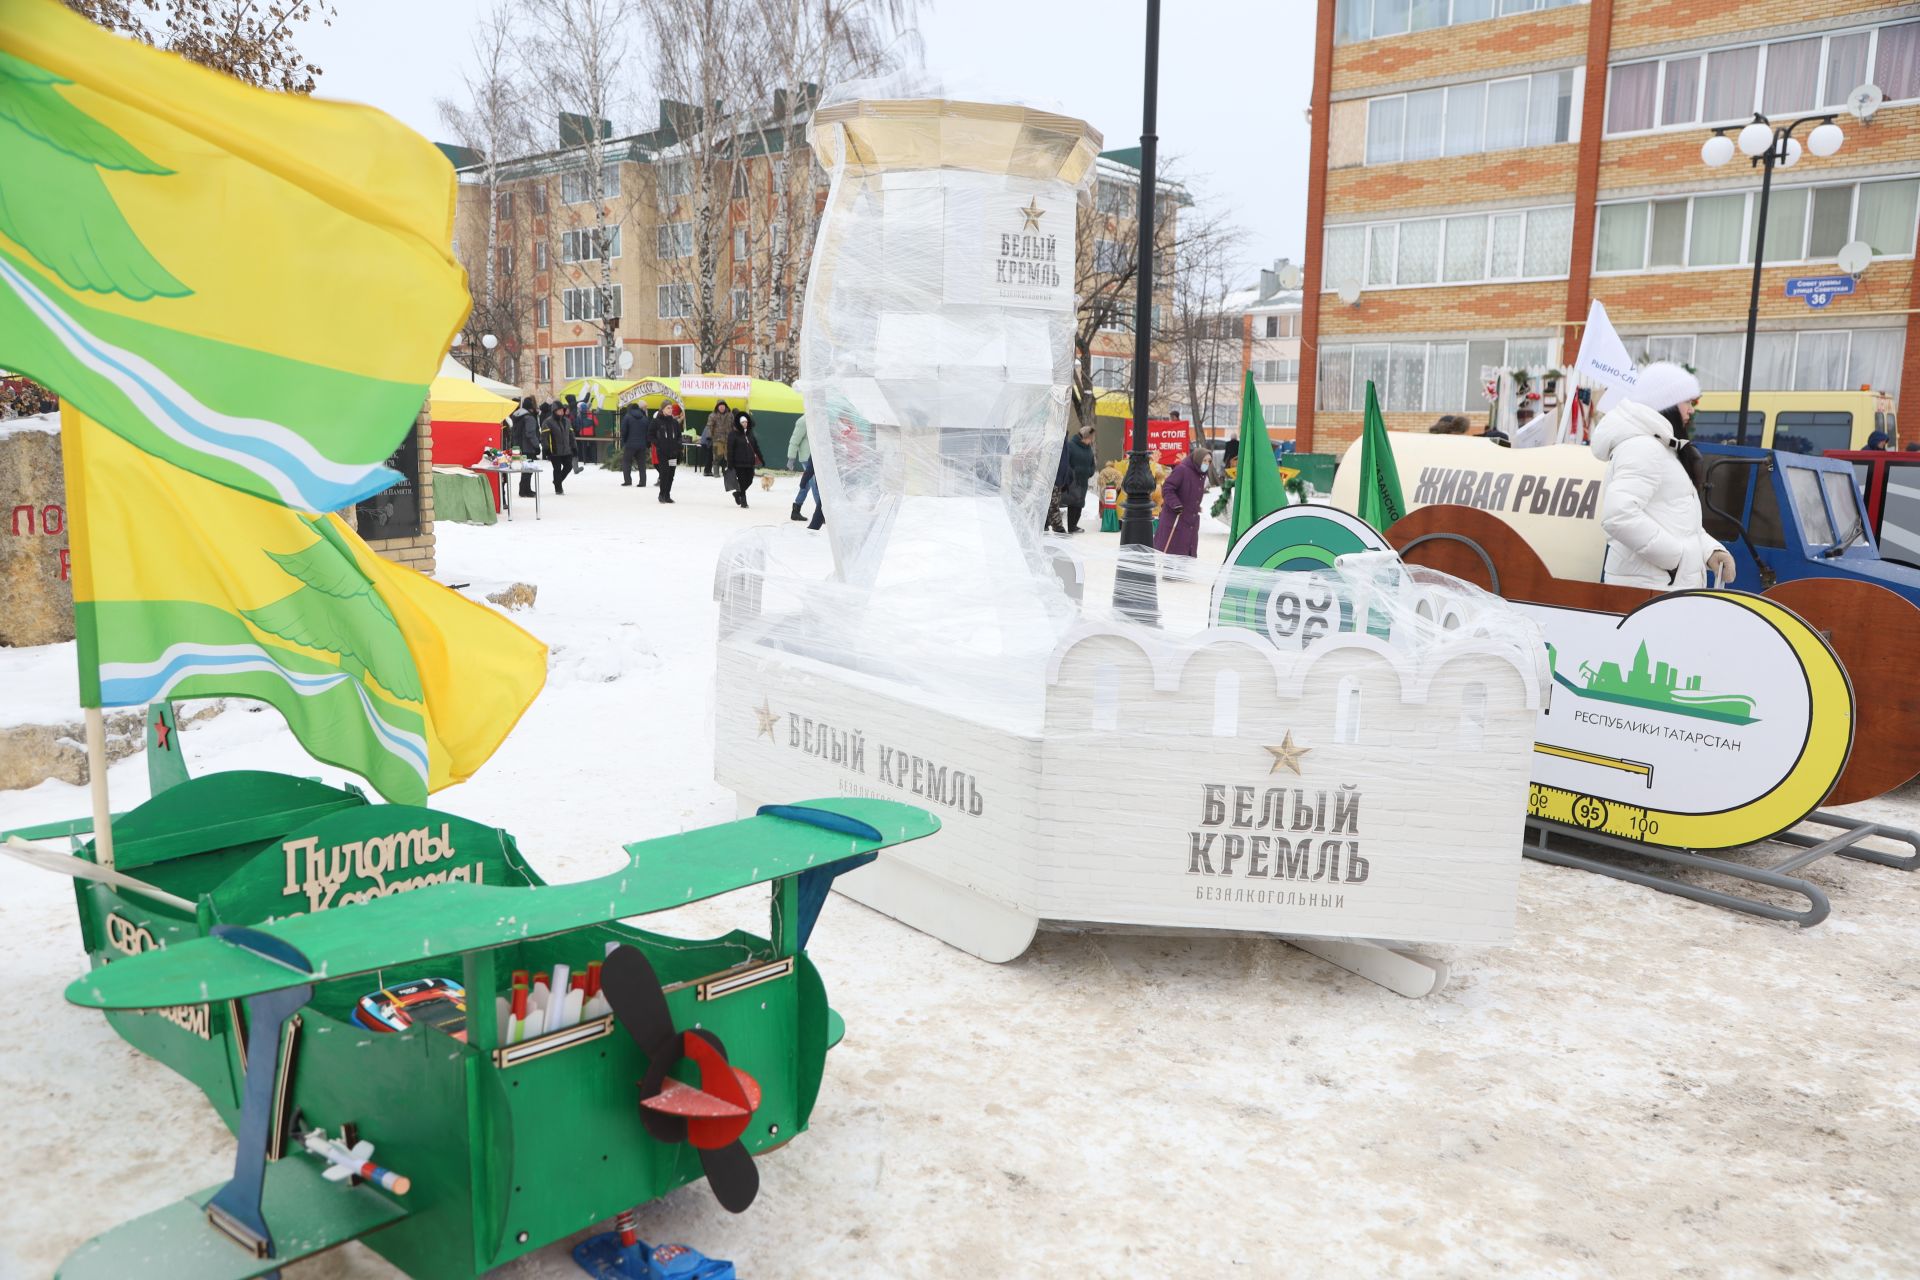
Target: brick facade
[
  {"x": 417, "y": 551},
  {"x": 1586, "y": 172}
]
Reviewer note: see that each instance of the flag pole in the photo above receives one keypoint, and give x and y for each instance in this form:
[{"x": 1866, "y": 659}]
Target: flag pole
[
  {"x": 97, "y": 783},
  {"x": 87, "y": 646}
]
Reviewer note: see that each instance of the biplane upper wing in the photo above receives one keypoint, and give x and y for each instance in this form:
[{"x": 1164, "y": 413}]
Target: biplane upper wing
[{"x": 450, "y": 919}]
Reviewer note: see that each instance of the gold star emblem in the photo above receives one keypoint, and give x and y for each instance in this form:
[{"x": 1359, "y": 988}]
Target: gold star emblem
[
  {"x": 768, "y": 719},
  {"x": 1287, "y": 754},
  {"x": 1033, "y": 213}
]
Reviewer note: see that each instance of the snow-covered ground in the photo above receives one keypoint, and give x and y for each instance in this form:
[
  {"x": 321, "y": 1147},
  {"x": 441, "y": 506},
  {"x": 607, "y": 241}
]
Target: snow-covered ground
[{"x": 1639, "y": 1086}]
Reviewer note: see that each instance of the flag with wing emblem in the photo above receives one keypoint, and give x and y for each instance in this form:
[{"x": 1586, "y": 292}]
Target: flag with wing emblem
[
  {"x": 184, "y": 588},
  {"x": 257, "y": 287}
]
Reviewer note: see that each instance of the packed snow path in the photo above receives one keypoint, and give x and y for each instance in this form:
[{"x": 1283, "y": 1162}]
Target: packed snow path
[{"x": 1639, "y": 1086}]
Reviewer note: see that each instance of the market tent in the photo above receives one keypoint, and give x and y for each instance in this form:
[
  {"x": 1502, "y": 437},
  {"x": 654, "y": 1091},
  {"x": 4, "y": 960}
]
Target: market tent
[
  {"x": 457, "y": 400},
  {"x": 466, "y": 421},
  {"x": 451, "y": 368},
  {"x": 775, "y": 406}
]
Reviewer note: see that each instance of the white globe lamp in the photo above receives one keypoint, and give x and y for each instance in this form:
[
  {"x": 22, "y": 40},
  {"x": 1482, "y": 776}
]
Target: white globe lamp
[
  {"x": 1717, "y": 150},
  {"x": 1756, "y": 138},
  {"x": 489, "y": 341},
  {"x": 459, "y": 338},
  {"x": 1825, "y": 140},
  {"x": 1793, "y": 153}
]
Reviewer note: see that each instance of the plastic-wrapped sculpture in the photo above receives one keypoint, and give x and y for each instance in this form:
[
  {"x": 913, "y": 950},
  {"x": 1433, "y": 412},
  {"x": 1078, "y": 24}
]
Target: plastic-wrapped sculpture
[{"x": 1330, "y": 756}]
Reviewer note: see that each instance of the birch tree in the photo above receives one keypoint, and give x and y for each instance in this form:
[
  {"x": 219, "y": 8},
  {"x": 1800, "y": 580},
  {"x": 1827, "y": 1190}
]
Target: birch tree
[
  {"x": 495, "y": 123},
  {"x": 577, "y": 55},
  {"x": 704, "y": 52}
]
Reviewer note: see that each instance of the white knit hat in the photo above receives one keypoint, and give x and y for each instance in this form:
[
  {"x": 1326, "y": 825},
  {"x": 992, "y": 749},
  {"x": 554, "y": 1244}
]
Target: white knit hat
[{"x": 1660, "y": 385}]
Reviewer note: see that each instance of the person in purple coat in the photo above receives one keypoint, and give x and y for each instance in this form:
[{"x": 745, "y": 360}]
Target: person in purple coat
[{"x": 1178, "y": 533}]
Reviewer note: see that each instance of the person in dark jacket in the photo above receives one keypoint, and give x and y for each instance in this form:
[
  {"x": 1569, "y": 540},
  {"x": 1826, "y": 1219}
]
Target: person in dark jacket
[
  {"x": 523, "y": 433},
  {"x": 741, "y": 455},
  {"x": 1081, "y": 466},
  {"x": 667, "y": 444},
  {"x": 713, "y": 438},
  {"x": 636, "y": 431},
  {"x": 557, "y": 433},
  {"x": 1062, "y": 477}
]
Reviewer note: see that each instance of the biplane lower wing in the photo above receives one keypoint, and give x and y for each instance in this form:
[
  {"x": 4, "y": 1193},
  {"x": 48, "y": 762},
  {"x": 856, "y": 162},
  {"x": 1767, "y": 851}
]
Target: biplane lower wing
[
  {"x": 450, "y": 919},
  {"x": 308, "y": 1215}
]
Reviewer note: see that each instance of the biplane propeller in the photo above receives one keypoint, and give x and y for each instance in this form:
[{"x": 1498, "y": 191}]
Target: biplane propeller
[{"x": 711, "y": 1117}]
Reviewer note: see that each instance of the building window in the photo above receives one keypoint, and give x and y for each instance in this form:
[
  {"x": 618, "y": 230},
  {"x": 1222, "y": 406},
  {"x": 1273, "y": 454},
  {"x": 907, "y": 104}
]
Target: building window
[
  {"x": 576, "y": 189},
  {"x": 546, "y": 370},
  {"x": 1466, "y": 119},
  {"x": 584, "y": 245},
  {"x": 539, "y": 191},
  {"x": 1804, "y": 224},
  {"x": 1109, "y": 257},
  {"x": 742, "y": 362},
  {"x": 540, "y": 255},
  {"x": 1725, "y": 86},
  {"x": 506, "y": 206},
  {"x": 1111, "y": 373},
  {"x": 674, "y": 240},
  {"x": 1113, "y": 199},
  {"x": 739, "y": 304},
  {"x": 740, "y": 244},
  {"x": 676, "y": 179},
  {"x": 504, "y": 256},
  {"x": 676, "y": 361},
  {"x": 584, "y": 304},
  {"x": 540, "y": 313},
  {"x": 1277, "y": 371},
  {"x": 675, "y": 301},
  {"x": 1357, "y": 20},
  {"x": 1280, "y": 415},
  {"x": 1803, "y": 360},
  {"x": 1431, "y": 377},
  {"x": 739, "y": 182},
  {"x": 583, "y": 362},
  {"x": 1531, "y": 244}
]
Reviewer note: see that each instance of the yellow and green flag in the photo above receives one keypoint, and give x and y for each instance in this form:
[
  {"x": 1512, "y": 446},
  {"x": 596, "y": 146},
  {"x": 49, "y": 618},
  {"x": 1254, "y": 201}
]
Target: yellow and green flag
[
  {"x": 256, "y": 287},
  {"x": 184, "y": 588}
]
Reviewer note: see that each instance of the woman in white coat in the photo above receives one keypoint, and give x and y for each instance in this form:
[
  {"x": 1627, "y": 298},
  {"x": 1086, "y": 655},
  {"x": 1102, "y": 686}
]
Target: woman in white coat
[{"x": 1650, "y": 506}]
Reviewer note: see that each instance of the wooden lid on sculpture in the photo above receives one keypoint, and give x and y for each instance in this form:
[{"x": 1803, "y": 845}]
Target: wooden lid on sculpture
[{"x": 943, "y": 133}]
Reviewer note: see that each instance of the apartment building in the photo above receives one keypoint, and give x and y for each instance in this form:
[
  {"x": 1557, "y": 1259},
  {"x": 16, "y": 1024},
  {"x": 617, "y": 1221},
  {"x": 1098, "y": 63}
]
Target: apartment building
[
  {"x": 1483, "y": 168},
  {"x": 1271, "y": 329},
  {"x": 538, "y": 291}
]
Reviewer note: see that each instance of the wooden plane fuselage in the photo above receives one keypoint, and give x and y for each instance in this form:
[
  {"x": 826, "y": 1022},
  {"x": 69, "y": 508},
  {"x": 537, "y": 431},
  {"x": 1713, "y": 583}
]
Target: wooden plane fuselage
[{"x": 508, "y": 1146}]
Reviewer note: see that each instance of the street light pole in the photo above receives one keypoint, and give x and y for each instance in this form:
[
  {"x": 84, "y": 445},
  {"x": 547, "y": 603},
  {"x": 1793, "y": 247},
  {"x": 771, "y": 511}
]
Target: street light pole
[
  {"x": 1766, "y": 145},
  {"x": 1136, "y": 586}
]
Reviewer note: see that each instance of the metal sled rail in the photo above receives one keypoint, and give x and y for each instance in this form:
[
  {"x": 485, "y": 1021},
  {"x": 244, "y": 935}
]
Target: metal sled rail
[{"x": 1851, "y": 832}]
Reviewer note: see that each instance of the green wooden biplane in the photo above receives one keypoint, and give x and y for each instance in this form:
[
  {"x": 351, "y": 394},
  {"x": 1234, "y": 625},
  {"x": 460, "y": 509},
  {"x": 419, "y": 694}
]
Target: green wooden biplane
[{"x": 305, "y": 897}]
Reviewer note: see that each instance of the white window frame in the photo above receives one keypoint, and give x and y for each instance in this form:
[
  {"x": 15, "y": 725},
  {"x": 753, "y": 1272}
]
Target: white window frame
[
  {"x": 578, "y": 181},
  {"x": 540, "y": 255},
  {"x": 1426, "y": 385},
  {"x": 676, "y": 179},
  {"x": 668, "y": 300},
  {"x": 1486, "y": 259},
  {"x": 572, "y": 242},
  {"x": 1745, "y": 260},
  {"x": 676, "y": 359},
  {"x": 1822, "y": 91},
  {"x": 580, "y": 361},
  {"x": 540, "y": 313},
  {"x": 582, "y": 304},
  {"x": 1530, "y": 6},
  {"x": 739, "y": 299},
  {"x": 546, "y": 369},
  {"x": 1573, "y": 116},
  {"x": 673, "y": 240}
]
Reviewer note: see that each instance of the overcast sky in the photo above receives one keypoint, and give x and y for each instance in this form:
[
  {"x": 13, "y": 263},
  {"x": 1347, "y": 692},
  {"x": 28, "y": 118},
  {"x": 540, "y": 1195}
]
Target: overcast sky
[{"x": 1235, "y": 80}]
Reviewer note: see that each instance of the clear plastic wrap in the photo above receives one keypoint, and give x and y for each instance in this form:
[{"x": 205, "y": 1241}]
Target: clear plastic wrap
[
  {"x": 1089, "y": 767},
  {"x": 940, "y": 316}
]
